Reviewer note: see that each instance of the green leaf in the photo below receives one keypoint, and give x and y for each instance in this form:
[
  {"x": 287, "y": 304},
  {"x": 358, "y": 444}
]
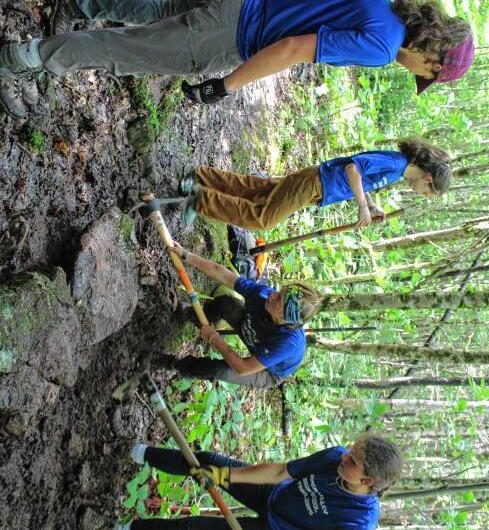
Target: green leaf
[
  {"x": 461, "y": 517},
  {"x": 468, "y": 496},
  {"x": 141, "y": 507},
  {"x": 461, "y": 405}
]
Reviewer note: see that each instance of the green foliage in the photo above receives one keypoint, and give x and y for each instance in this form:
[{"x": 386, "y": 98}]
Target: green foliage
[
  {"x": 341, "y": 112},
  {"x": 36, "y": 139}
]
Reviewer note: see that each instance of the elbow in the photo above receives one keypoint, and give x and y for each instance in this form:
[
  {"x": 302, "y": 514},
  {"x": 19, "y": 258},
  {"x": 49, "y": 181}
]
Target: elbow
[{"x": 291, "y": 50}]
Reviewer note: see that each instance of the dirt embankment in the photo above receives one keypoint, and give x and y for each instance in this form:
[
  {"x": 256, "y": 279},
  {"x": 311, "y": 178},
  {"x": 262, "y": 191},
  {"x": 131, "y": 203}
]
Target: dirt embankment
[{"x": 63, "y": 438}]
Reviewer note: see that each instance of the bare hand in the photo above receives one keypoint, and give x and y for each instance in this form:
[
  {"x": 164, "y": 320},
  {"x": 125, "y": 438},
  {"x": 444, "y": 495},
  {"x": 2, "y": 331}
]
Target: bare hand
[
  {"x": 207, "y": 332},
  {"x": 177, "y": 248},
  {"x": 364, "y": 217},
  {"x": 377, "y": 214}
]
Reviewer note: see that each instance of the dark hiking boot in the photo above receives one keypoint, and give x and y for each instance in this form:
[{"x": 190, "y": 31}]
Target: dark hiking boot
[
  {"x": 91, "y": 520},
  {"x": 30, "y": 94},
  {"x": 11, "y": 98},
  {"x": 66, "y": 14}
]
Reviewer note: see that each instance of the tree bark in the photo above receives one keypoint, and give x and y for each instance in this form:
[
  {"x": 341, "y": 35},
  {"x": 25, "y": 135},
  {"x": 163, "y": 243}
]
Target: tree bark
[
  {"x": 403, "y": 351},
  {"x": 394, "y": 382},
  {"x": 413, "y": 300},
  {"x": 434, "y": 492},
  {"x": 470, "y": 228}
]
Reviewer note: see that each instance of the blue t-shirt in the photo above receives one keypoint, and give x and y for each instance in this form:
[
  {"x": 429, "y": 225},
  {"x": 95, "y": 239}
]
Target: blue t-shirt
[
  {"x": 349, "y": 32},
  {"x": 313, "y": 500},
  {"x": 279, "y": 348},
  {"x": 377, "y": 168}
]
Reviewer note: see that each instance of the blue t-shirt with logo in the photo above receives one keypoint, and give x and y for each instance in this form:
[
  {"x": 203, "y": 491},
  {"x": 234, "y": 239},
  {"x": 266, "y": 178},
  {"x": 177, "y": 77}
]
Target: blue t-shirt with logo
[
  {"x": 279, "y": 348},
  {"x": 313, "y": 499},
  {"x": 377, "y": 168},
  {"x": 349, "y": 32}
]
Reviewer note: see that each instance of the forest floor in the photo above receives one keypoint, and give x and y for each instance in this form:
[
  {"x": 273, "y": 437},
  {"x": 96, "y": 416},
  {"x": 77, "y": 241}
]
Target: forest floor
[{"x": 94, "y": 142}]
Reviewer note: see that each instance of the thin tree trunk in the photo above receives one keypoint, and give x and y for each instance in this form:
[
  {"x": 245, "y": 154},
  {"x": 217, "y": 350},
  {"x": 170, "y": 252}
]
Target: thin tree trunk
[
  {"x": 470, "y": 228},
  {"x": 392, "y": 382},
  {"x": 426, "y": 404},
  {"x": 413, "y": 300},
  {"x": 403, "y": 351},
  {"x": 434, "y": 492}
]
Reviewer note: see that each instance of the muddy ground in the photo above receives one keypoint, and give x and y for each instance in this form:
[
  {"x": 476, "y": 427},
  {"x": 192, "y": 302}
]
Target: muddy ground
[{"x": 65, "y": 454}]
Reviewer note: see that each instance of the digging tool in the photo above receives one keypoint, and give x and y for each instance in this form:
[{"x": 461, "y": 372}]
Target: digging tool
[
  {"x": 319, "y": 233},
  {"x": 162, "y": 410},
  {"x": 152, "y": 207}
]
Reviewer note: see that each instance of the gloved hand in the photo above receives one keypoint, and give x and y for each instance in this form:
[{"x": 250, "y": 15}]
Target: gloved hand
[
  {"x": 208, "y": 92},
  {"x": 211, "y": 476}
]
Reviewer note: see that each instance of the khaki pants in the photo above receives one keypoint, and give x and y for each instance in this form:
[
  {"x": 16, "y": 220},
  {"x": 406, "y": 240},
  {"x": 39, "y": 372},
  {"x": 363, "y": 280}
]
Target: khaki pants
[{"x": 254, "y": 202}]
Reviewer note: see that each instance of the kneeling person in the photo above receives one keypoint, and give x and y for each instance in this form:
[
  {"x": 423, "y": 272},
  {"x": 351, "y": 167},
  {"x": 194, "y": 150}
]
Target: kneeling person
[
  {"x": 269, "y": 322},
  {"x": 336, "y": 488}
]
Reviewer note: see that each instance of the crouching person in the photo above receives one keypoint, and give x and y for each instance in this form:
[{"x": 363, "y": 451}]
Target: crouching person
[
  {"x": 336, "y": 488},
  {"x": 269, "y": 322}
]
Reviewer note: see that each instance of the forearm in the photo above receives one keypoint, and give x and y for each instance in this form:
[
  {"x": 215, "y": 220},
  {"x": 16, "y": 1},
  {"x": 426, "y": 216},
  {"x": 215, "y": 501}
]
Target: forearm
[
  {"x": 355, "y": 182},
  {"x": 370, "y": 201},
  {"x": 273, "y": 59},
  {"x": 215, "y": 271},
  {"x": 259, "y": 474},
  {"x": 242, "y": 366}
]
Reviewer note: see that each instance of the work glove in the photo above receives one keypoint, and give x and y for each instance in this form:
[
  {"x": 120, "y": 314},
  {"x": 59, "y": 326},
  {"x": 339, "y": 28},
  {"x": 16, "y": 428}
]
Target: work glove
[
  {"x": 208, "y": 92},
  {"x": 211, "y": 476}
]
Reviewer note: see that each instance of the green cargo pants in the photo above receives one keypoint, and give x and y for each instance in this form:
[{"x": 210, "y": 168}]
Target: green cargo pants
[{"x": 173, "y": 37}]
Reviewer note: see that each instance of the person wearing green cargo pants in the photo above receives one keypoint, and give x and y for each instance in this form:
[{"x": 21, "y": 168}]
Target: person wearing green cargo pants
[{"x": 259, "y": 37}]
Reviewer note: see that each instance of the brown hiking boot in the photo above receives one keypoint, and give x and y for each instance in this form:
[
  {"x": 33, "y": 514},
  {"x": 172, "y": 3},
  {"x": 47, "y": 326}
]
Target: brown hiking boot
[
  {"x": 30, "y": 94},
  {"x": 11, "y": 98},
  {"x": 66, "y": 14}
]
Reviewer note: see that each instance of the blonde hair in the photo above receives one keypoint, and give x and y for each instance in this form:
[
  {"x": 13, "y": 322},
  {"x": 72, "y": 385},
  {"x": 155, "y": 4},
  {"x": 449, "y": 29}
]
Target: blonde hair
[{"x": 310, "y": 300}]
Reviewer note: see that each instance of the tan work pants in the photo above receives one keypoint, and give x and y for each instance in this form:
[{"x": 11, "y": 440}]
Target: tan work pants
[{"x": 255, "y": 202}]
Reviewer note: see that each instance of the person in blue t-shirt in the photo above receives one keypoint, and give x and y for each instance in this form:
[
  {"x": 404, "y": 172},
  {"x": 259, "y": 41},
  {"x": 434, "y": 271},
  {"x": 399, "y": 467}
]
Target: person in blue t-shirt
[
  {"x": 269, "y": 322},
  {"x": 256, "y": 203},
  {"x": 256, "y": 38},
  {"x": 334, "y": 489}
]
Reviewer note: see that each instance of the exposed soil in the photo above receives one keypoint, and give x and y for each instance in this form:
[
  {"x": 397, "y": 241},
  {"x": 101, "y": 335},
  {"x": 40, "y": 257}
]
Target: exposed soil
[{"x": 72, "y": 452}]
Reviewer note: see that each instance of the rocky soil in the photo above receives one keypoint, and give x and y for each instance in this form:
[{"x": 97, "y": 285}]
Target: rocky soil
[{"x": 87, "y": 294}]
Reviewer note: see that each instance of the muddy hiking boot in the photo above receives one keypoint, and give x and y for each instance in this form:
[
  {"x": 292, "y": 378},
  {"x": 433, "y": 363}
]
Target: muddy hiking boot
[
  {"x": 11, "y": 98},
  {"x": 30, "y": 94},
  {"x": 17, "y": 62},
  {"x": 65, "y": 15}
]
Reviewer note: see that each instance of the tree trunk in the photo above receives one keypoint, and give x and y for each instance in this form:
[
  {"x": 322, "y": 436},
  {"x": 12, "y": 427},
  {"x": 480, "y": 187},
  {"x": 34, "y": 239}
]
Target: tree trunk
[
  {"x": 434, "y": 492},
  {"x": 470, "y": 228},
  {"x": 394, "y": 382},
  {"x": 426, "y": 404},
  {"x": 414, "y": 300},
  {"x": 441, "y": 355}
]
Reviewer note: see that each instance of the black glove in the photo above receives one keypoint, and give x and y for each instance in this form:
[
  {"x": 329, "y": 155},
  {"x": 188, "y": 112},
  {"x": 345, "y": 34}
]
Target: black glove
[{"x": 208, "y": 92}]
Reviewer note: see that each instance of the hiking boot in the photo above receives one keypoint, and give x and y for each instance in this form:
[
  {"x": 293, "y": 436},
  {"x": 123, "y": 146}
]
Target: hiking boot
[
  {"x": 30, "y": 94},
  {"x": 66, "y": 14},
  {"x": 186, "y": 185},
  {"x": 189, "y": 213},
  {"x": 11, "y": 98},
  {"x": 91, "y": 520},
  {"x": 18, "y": 59}
]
